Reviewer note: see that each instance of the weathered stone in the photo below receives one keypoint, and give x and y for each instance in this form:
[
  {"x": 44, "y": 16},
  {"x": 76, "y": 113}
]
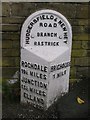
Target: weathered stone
[
  {"x": 10, "y": 52},
  {"x": 0, "y": 28},
  {"x": 0, "y": 71},
  {"x": 10, "y": 36},
  {"x": 5, "y": 9},
  {"x": 22, "y": 9},
  {"x": 12, "y": 20},
  {"x": 81, "y": 37},
  {"x": 76, "y": 45},
  {"x": 72, "y": 62},
  {"x": 82, "y": 61},
  {"x": 8, "y": 62},
  {"x": 16, "y": 13},
  {"x": 48, "y": 63},
  {"x": 79, "y": 53},
  {"x": 73, "y": 72},
  {"x": 80, "y": 29},
  {"x": 83, "y": 72},
  {"x": 0, "y": 44},
  {"x": 81, "y": 11},
  {"x": 65, "y": 9},
  {"x": 17, "y": 61},
  {"x": 8, "y": 72},
  {"x": 79, "y": 22},
  {"x": 88, "y": 53},
  {"x": 0, "y": 53},
  {"x": 10, "y": 28},
  {"x": 16, "y": 44},
  {"x": 0, "y": 62},
  {"x": 73, "y": 80},
  {"x": 6, "y": 44},
  {"x": 86, "y": 44}
]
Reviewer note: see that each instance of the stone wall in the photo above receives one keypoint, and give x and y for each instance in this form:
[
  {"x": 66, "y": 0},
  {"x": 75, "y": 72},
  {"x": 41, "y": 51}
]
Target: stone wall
[{"x": 13, "y": 16}]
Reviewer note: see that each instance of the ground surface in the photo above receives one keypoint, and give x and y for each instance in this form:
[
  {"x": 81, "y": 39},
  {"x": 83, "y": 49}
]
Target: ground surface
[{"x": 65, "y": 107}]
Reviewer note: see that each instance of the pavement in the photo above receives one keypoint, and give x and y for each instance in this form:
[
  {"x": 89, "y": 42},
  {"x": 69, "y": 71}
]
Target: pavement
[{"x": 65, "y": 107}]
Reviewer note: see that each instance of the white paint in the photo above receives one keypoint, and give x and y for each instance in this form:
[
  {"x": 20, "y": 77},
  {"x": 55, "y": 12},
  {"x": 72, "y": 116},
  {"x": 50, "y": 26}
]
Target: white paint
[
  {"x": 47, "y": 53},
  {"x": 57, "y": 80},
  {"x": 36, "y": 28}
]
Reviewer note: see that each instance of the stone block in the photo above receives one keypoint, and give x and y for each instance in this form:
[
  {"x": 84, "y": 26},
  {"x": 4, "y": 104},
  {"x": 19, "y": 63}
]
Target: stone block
[
  {"x": 8, "y": 72},
  {"x": 76, "y": 45},
  {"x": 85, "y": 44},
  {"x": 82, "y": 61},
  {"x": 82, "y": 11},
  {"x": 17, "y": 61},
  {"x": 79, "y": 53},
  {"x": 0, "y": 44},
  {"x": 10, "y": 28},
  {"x": 10, "y": 36},
  {"x": 10, "y": 52},
  {"x": 16, "y": 44},
  {"x": 88, "y": 53},
  {"x": 72, "y": 62},
  {"x": 81, "y": 36},
  {"x": 25, "y": 9},
  {"x": 73, "y": 72},
  {"x": 6, "y": 44},
  {"x": 45, "y": 58},
  {"x": 5, "y": 9},
  {"x": 80, "y": 29},
  {"x": 79, "y": 22},
  {"x": 12, "y": 20},
  {"x": 8, "y": 62},
  {"x": 83, "y": 72},
  {"x": 22, "y": 9}
]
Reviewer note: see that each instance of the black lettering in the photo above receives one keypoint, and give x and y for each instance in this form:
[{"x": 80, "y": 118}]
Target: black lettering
[
  {"x": 42, "y": 17},
  {"x": 42, "y": 44},
  {"x": 47, "y": 17},
  {"x": 54, "y": 25},
  {"x": 45, "y": 24},
  {"x": 35, "y": 43},
  {"x": 55, "y": 19},
  {"x": 65, "y": 35},
  {"x": 51, "y": 34},
  {"x": 27, "y": 34},
  {"x": 35, "y": 21},
  {"x": 64, "y": 29},
  {"x": 50, "y": 25},
  {"x": 59, "y": 66},
  {"x": 24, "y": 71},
  {"x": 41, "y": 24},
  {"x": 31, "y": 73},
  {"x": 31, "y": 23},
  {"x": 51, "y": 17},
  {"x": 27, "y": 42},
  {"x": 62, "y": 25},
  {"x": 28, "y": 30},
  {"x": 60, "y": 22},
  {"x": 22, "y": 63}
]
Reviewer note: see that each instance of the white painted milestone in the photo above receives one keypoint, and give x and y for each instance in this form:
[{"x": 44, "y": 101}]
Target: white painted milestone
[{"x": 46, "y": 40}]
